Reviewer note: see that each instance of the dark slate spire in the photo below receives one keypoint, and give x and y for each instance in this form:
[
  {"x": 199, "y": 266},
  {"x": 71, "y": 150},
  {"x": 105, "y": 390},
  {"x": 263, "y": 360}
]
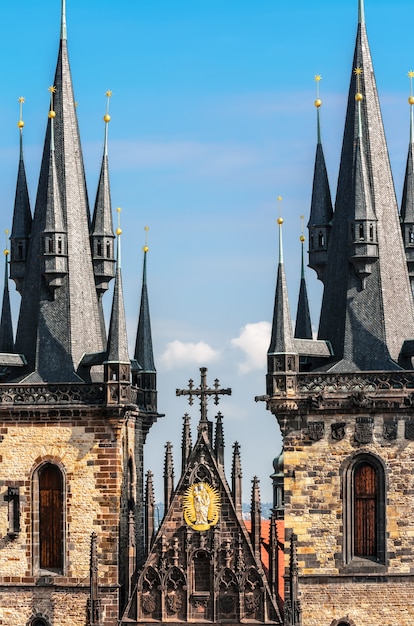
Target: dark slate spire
[
  {"x": 293, "y": 609},
  {"x": 219, "y": 440},
  {"x": 6, "y": 326},
  {"x": 22, "y": 218},
  {"x": 319, "y": 224},
  {"x": 168, "y": 476},
  {"x": 143, "y": 343},
  {"x": 407, "y": 204},
  {"x": 102, "y": 233},
  {"x": 282, "y": 355},
  {"x": 303, "y": 326},
  {"x": 186, "y": 443},
  {"x": 149, "y": 512},
  {"x": 256, "y": 516},
  {"x": 361, "y": 315},
  {"x": 54, "y": 333},
  {"x": 54, "y": 263},
  {"x": 236, "y": 478},
  {"x": 144, "y": 374}
]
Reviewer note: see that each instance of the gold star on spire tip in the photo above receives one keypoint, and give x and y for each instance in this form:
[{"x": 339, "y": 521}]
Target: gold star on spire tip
[
  {"x": 20, "y": 123},
  {"x": 318, "y": 102},
  {"x": 411, "y": 97},
  {"x": 279, "y": 219},
  {"x": 317, "y": 78},
  {"x": 52, "y": 89}
]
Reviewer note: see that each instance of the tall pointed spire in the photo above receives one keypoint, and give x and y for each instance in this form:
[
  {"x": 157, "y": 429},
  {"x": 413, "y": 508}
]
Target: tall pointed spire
[
  {"x": 303, "y": 326},
  {"x": 144, "y": 374},
  {"x": 149, "y": 512},
  {"x": 359, "y": 315},
  {"x": 236, "y": 478},
  {"x": 319, "y": 224},
  {"x": 22, "y": 217},
  {"x": 117, "y": 351},
  {"x": 407, "y": 203},
  {"x": 102, "y": 233},
  {"x": 186, "y": 443},
  {"x": 168, "y": 476},
  {"x": 53, "y": 351},
  {"x": 6, "y": 326},
  {"x": 219, "y": 440},
  {"x": 282, "y": 355},
  {"x": 143, "y": 343},
  {"x": 256, "y": 516}
]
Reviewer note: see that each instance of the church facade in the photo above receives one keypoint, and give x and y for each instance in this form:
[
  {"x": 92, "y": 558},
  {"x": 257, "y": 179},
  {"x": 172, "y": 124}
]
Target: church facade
[{"x": 344, "y": 401}]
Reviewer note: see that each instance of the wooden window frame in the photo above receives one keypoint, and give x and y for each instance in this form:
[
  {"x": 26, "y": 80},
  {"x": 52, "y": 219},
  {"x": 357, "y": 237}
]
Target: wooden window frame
[
  {"x": 37, "y": 570},
  {"x": 348, "y": 500}
]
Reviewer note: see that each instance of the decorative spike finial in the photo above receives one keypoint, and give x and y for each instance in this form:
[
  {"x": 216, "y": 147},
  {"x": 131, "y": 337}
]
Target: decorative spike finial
[
  {"x": 302, "y": 240},
  {"x": 361, "y": 12},
  {"x": 359, "y": 97},
  {"x": 107, "y": 119},
  {"x": 411, "y": 102},
  {"x": 146, "y": 248},
  {"x": 6, "y": 251},
  {"x": 63, "y": 32},
  {"x": 118, "y": 241},
  {"x": 280, "y": 222},
  {"x": 52, "y": 115},
  {"x": 20, "y": 123},
  {"x": 318, "y": 104}
]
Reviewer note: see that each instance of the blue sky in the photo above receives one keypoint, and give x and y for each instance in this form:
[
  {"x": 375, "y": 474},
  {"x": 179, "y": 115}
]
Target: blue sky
[{"x": 212, "y": 119}]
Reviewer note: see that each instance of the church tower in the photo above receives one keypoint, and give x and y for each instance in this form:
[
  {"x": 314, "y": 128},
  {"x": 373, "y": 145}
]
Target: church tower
[
  {"x": 348, "y": 420},
  {"x": 72, "y": 420}
]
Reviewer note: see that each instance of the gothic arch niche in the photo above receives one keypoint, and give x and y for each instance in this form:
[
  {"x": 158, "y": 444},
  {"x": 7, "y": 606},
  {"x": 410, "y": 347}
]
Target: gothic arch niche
[
  {"x": 228, "y": 597},
  {"x": 48, "y": 516},
  {"x": 201, "y": 577},
  {"x": 149, "y": 600},
  {"x": 253, "y": 596},
  {"x": 201, "y": 474},
  {"x": 364, "y": 505},
  {"x": 176, "y": 596}
]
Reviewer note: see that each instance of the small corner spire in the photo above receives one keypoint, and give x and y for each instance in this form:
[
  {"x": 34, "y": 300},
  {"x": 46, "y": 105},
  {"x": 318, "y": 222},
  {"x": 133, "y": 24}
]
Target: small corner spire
[
  {"x": 144, "y": 353},
  {"x": 6, "y": 326},
  {"x": 303, "y": 326},
  {"x": 63, "y": 31}
]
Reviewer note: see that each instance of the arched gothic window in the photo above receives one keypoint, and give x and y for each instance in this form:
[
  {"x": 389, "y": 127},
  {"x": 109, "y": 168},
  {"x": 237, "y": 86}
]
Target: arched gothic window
[
  {"x": 364, "y": 509},
  {"x": 50, "y": 507}
]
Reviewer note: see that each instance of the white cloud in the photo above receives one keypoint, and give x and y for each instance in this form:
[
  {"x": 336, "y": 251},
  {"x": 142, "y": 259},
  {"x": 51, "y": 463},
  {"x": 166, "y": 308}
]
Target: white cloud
[
  {"x": 178, "y": 353},
  {"x": 254, "y": 342}
]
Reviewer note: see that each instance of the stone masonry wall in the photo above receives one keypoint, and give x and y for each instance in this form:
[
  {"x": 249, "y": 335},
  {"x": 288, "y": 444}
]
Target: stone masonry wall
[
  {"x": 330, "y": 586},
  {"x": 86, "y": 446}
]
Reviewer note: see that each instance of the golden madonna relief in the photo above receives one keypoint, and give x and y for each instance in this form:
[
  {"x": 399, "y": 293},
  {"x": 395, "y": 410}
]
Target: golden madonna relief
[{"x": 201, "y": 506}]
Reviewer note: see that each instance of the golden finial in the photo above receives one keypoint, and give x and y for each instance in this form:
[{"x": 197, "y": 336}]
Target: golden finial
[
  {"x": 51, "y": 113},
  {"x": 6, "y": 251},
  {"x": 318, "y": 101},
  {"x": 358, "y": 96},
  {"x": 107, "y": 117},
  {"x": 145, "y": 248},
  {"x": 20, "y": 123},
  {"x": 119, "y": 229},
  {"x": 302, "y": 237},
  {"x": 411, "y": 76},
  {"x": 280, "y": 218}
]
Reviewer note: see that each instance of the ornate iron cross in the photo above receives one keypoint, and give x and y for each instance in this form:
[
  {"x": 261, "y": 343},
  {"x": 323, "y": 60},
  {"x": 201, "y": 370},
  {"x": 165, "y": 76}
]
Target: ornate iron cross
[{"x": 204, "y": 392}]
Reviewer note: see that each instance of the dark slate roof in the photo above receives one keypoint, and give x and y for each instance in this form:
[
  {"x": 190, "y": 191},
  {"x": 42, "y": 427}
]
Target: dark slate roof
[
  {"x": 281, "y": 341},
  {"x": 366, "y": 326},
  {"x": 303, "y": 326},
  {"x": 55, "y": 331},
  {"x": 143, "y": 344}
]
